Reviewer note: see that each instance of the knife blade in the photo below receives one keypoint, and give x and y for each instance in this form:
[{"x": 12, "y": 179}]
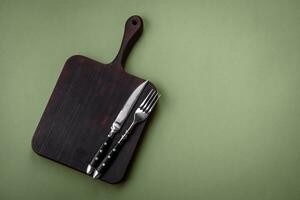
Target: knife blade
[{"x": 116, "y": 126}]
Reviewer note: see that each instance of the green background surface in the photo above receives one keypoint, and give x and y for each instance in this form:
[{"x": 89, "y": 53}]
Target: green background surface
[{"x": 227, "y": 126}]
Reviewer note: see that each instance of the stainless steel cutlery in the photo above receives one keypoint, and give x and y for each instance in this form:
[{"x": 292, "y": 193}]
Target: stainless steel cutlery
[
  {"x": 116, "y": 126},
  {"x": 103, "y": 159},
  {"x": 141, "y": 113}
]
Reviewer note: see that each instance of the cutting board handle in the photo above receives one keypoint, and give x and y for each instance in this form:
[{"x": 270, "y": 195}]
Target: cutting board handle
[{"x": 132, "y": 32}]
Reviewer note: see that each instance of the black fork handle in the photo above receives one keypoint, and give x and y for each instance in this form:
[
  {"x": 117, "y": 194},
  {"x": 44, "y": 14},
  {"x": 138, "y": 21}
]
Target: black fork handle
[{"x": 110, "y": 157}]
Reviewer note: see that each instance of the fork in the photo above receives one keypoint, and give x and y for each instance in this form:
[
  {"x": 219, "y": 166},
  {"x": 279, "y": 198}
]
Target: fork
[{"x": 141, "y": 114}]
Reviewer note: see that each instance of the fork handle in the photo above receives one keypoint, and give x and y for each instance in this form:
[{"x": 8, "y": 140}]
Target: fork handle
[
  {"x": 108, "y": 160},
  {"x": 99, "y": 154}
]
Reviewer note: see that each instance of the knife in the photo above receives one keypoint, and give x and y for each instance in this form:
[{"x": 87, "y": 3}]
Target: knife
[{"x": 116, "y": 126}]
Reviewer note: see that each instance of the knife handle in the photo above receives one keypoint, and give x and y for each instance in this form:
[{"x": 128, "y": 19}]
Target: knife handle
[
  {"x": 99, "y": 154},
  {"x": 107, "y": 161}
]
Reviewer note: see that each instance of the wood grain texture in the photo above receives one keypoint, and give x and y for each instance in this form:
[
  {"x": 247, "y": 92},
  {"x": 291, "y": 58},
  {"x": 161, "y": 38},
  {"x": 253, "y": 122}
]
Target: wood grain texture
[{"x": 86, "y": 99}]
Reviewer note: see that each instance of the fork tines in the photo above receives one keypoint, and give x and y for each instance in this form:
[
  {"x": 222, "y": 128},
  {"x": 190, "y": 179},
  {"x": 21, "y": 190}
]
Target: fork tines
[{"x": 150, "y": 101}]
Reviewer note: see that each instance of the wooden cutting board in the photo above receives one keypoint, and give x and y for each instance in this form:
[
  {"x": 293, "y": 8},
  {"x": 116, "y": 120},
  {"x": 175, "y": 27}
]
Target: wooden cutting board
[{"x": 86, "y": 99}]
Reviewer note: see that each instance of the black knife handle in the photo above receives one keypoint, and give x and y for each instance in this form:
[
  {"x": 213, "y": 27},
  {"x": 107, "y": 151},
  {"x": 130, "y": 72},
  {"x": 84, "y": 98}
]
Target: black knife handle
[
  {"x": 108, "y": 160},
  {"x": 101, "y": 152}
]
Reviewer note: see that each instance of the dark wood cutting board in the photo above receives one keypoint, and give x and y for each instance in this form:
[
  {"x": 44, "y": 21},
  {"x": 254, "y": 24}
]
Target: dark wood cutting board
[{"x": 86, "y": 99}]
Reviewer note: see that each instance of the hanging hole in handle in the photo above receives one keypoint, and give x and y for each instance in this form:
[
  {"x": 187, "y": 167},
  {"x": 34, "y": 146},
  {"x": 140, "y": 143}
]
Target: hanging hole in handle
[{"x": 134, "y": 22}]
